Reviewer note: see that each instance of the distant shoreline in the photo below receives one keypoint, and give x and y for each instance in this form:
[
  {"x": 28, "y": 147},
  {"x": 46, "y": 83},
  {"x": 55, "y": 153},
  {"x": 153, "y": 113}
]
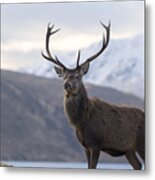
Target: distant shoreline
[{"x": 63, "y": 165}]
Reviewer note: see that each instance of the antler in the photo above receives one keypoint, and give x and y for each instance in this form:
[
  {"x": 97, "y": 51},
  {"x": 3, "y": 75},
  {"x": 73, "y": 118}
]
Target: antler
[
  {"x": 104, "y": 44},
  {"x": 78, "y": 59},
  {"x": 49, "y": 56}
]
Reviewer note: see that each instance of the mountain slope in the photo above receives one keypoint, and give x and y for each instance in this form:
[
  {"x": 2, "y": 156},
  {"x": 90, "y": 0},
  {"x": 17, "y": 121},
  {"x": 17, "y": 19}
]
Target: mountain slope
[
  {"x": 121, "y": 66},
  {"x": 33, "y": 124}
]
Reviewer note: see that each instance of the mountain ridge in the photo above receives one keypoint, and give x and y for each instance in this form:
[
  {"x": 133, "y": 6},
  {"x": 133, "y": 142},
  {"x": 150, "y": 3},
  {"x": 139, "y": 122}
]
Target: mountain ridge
[
  {"x": 121, "y": 66},
  {"x": 33, "y": 124}
]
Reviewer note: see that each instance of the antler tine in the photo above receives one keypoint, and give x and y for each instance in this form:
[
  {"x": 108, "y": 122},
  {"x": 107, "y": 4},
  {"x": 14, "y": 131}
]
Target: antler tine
[
  {"x": 49, "y": 56},
  {"x": 50, "y": 27},
  {"x": 107, "y": 28},
  {"x": 105, "y": 42},
  {"x": 78, "y": 59},
  {"x": 59, "y": 63}
]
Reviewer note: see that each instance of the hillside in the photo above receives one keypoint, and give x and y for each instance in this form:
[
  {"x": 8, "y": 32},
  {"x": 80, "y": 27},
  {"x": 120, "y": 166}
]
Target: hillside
[
  {"x": 121, "y": 66},
  {"x": 33, "y": 124}
]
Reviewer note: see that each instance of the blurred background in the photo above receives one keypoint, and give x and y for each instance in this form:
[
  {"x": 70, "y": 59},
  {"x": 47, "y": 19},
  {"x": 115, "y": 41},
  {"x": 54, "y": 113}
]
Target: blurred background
[{"x": 34, "y": 127}]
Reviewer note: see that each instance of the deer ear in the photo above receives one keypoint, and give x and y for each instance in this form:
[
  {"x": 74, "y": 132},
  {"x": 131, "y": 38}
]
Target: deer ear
[
  {"x": 84, "y": 68},
  {"x": 59, "y": 71}
]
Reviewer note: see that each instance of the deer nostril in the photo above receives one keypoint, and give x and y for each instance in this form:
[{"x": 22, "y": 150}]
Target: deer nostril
[{"x": 67, "y": 86}]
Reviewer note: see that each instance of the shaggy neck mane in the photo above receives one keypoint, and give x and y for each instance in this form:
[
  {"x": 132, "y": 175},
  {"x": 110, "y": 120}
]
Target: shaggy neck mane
[{"x": 77, "y": 107}]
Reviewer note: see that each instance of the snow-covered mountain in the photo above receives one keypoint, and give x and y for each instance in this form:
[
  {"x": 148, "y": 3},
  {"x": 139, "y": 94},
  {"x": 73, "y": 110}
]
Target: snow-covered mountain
[{"x": 121, "y": 66}]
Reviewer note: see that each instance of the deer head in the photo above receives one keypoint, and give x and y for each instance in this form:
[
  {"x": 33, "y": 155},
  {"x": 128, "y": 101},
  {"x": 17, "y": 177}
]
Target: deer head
[{"x": 73, "y": 77}]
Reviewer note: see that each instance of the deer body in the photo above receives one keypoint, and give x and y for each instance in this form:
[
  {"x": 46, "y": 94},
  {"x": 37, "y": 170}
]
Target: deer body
[
  {"x": 99, "y": 126},
  {"x": 102, "y": 126}
]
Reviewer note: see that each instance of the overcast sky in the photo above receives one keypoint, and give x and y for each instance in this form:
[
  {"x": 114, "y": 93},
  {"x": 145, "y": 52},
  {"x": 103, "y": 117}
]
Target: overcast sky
[{"x": 23, "y": 27}]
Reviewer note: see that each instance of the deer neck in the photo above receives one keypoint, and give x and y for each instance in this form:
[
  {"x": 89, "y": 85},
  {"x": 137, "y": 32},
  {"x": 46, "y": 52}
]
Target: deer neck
[{"x": 76, "y": 107}]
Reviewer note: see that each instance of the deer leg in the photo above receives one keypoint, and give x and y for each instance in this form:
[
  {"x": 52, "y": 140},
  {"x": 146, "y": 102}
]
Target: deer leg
[
  {"x": 87, "y": 151},
  {"x": 94, "y": 156},
  {"x": 133, "y": 160}
]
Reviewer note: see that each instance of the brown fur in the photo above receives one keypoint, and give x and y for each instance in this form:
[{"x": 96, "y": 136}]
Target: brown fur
[
  {"x": 99, "y": 126},
  {"x": 104, "y": 127}
]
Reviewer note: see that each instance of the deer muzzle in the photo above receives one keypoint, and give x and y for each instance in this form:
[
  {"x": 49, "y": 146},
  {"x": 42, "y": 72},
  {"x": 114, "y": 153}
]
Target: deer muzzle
[{"x": 67, "y": 86}]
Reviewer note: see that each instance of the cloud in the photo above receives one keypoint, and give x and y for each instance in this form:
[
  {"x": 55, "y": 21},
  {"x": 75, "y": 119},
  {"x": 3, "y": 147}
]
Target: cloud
[
  {"x": 21, "y": 46},
  {"x": 23, "y": 26},
  {"x": 85, "y": 16}
]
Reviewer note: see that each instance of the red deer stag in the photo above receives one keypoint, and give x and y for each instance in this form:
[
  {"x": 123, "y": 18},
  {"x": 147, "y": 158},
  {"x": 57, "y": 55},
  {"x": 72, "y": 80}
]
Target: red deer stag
[{"x": 99, "y": 126}]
